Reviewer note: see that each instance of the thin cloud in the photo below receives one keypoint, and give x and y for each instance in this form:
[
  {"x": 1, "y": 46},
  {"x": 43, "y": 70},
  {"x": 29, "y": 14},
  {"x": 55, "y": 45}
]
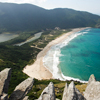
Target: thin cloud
[{"x": 24, "y": 1}]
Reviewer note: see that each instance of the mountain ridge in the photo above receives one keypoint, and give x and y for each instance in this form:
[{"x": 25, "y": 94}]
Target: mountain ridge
[{"x": 23, "y": 17}]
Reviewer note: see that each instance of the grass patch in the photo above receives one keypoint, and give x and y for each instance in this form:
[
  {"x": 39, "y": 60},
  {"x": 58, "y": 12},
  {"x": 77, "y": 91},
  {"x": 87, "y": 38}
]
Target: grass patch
[{"x": 40, "y": 85}]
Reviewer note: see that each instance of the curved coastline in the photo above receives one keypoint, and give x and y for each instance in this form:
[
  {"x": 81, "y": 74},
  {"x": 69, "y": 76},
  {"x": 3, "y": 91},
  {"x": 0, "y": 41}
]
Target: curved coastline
[{"x": 38, "y": 70}]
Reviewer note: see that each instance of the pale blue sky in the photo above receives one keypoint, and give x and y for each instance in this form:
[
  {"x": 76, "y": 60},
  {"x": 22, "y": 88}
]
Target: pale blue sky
[{"x": 92, "y": 6}]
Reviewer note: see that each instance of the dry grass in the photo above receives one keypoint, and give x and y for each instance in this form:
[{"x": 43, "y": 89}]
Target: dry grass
[{"x": 81, "y": 88}]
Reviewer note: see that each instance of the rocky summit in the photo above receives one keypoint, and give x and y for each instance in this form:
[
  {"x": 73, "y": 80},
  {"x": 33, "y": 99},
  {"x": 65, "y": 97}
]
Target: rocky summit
[
  {"x": 92, "y": 91},
  {"x": 22, "y": 89},
  {"x": 5, "y": 76},
  {"x": 72, "y": 93},
  {"x": 48, "y": 93}
]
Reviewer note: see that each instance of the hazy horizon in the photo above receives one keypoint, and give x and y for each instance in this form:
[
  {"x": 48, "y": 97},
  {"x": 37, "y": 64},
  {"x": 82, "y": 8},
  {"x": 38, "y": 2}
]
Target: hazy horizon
[{"x": 89, "y": 6}]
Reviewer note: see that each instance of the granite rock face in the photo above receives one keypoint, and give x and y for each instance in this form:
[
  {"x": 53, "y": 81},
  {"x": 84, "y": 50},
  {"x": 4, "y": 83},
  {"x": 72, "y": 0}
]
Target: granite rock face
[
  {"x": 26, "y": 98},
  {"x": 48, "y": 93},
  {"x": 4, "y": 97},
  {"x": 91, "y": 79},
  {"x": 71, "y": 93},
  {"x": 22, "y": 89},
  {"x": 92, "y": 91},
  {"x": 79, "y": 95},
  {"x": 5, "y": 76},
  {"x": 65, "y": 92}
]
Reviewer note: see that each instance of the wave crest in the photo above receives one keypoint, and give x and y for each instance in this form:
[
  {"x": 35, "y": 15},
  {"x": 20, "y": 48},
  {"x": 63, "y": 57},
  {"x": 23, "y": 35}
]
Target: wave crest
[{"x": 51, "y": 59}]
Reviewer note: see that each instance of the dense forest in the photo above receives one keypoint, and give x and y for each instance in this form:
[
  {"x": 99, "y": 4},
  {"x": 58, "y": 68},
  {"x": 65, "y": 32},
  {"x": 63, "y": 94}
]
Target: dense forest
[{"x": 21, "y": 17}]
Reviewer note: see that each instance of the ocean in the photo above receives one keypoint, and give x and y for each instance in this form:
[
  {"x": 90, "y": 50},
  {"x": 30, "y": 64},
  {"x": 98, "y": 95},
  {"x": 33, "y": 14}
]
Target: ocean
[{"x": 77, "y": 57}]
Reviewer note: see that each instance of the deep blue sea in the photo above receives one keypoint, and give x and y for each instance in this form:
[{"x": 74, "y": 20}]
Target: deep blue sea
[{"x": 81, "y": 56}]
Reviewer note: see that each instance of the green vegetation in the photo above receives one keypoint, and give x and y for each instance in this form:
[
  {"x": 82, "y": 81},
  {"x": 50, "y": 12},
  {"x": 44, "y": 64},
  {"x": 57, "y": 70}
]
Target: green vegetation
[
  {"x": 40, "y": 85},
  {"x": 98, "y": 24},
  {"x": 23, "y": 19},
  {"x": 23, "y": 36},
  {"x": 27, "y": 17},
  {"x": 17, "y": 57}
]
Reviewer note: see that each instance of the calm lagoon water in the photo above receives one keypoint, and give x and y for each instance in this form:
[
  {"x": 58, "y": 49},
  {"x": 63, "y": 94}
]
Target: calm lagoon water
[
  {"x": 7, "y": 36},
  {"x": 36, "y": 36}
]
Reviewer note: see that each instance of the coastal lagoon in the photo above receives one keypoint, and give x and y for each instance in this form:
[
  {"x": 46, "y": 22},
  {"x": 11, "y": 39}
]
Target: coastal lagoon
[
  {"x": 7, "y": 36},
  {"x": 36, "y": 36},
  {"x": 77, "y": 57}
]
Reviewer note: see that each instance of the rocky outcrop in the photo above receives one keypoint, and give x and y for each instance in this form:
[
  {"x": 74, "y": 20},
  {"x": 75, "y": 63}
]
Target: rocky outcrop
[
  {"x": 71, "y": 93},
  {"x": 91, "y": 79},
  {"x": 92, "y": 91},
  {"x": 65, "y": 92},
  {"x": 57, "y": 99},
  {"x": 4, "y": 97},
  {"x": 22, "y": 89},
  {"x": 48, "y": 93},
  {"x": 26, "y": 98},
  {"x": 5, "y": 76},
  {"x": 79, "y": 95}
]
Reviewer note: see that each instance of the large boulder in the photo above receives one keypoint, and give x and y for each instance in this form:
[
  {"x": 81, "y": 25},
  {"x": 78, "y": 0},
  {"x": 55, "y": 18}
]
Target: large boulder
[
  {"x": 22, "y": 89},
  {"x": 48, "y": 93},
  {"x": 4, "y": 97},
  {"x": 5, "y": 76},
  {"x": 26, "y": 98},
  {"x": 65, "y": 92},
  {"x": 91, "y": 79},
  {"x": 79, "y": 95},
  {"x": 92, "y": 91},
  {"x": 71, "y": 93}
]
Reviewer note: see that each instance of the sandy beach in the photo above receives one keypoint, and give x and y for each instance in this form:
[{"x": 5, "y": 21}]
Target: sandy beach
[{"x": 37, "y": 69}]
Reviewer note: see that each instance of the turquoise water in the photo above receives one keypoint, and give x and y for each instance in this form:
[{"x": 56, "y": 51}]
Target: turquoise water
[{"x": 81, "y": 56}]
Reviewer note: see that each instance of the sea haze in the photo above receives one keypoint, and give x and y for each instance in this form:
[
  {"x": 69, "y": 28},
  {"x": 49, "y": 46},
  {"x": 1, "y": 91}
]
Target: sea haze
[{"x": 77, "y": 57}]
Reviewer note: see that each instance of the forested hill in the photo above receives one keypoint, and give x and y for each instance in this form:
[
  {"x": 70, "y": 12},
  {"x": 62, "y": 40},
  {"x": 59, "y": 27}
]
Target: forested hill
[{"x": 19, "y": 17}]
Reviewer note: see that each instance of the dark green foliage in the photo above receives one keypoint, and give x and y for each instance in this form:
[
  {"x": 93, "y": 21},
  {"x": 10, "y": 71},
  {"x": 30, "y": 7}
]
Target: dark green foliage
[
  {"x": 23, "y": 36},
  {"x": 17, "y": 57},
  {"x": 21, "y": 17}
]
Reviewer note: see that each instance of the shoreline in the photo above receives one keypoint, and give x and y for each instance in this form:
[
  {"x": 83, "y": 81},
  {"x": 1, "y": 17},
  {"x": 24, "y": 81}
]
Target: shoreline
[{"x": 37, "y": 69}]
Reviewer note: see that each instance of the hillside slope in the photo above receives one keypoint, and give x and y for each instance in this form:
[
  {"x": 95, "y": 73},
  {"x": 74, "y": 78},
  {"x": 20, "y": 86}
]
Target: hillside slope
[{"x": 19, "y": 17}]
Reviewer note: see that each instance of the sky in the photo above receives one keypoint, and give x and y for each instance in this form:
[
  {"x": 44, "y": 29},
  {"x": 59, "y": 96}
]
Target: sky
[{"x": 92, "y": 6}]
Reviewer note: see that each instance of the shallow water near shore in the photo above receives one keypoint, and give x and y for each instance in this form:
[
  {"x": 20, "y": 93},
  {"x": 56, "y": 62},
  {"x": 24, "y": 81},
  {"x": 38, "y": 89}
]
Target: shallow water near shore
[{"x": 77, "y": 57}]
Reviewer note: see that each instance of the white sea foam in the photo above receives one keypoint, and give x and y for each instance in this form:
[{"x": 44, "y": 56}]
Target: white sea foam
[
  {"x": 88, "y": 29},
  {"x": 51, "y": 59},
  {"x": 75, "y": 79}
]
